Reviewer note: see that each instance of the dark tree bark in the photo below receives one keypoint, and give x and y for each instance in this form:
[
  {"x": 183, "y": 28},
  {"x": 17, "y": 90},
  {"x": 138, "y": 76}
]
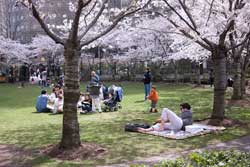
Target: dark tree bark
[
  {"x": 175, "y": 68},
  {"x": 237, "y": 93},
  {"x": 70, "y": 132},
  {"x": 198, "y": 75},
  {"x": 114, "y": 68},
  {"x": 245, "y": 66},
  {"x": 243, "y": 83},
  {"x": 219, "y": 60}
]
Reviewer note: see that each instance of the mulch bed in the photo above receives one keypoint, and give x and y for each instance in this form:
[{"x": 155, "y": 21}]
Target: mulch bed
[
  {"x": 12, "y": 156},
  {"x": 85, "y": 151},
  {"x": 227, "y": 122},
  {"x": 239, "y": 103}
]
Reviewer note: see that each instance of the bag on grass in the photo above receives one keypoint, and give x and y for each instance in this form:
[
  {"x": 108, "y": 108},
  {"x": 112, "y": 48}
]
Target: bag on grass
[{"x": 132, "y": 127}]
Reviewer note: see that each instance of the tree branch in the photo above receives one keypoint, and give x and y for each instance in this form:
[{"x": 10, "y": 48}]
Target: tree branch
[
  {"x": 158, "y": 31},
  {"x": 75, "y": 24},
  {"x": 210, "y": 11},
  {"x": 85, "y": 17},
  {"x": 208, "y": 47},
  {"x": 184, "y": 7},
  {"x": 122, "y": 15},
  {"x": 94, "y": 20},
  {"x": 224, "y": 33},
  {"x": 247, "y": 37},
  {"x": 186, "y": 22}
]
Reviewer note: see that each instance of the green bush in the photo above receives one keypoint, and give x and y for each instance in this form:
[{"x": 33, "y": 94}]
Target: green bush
[
  {"x": 220, "y": 159},
  {"x": 209, "y": 159}
]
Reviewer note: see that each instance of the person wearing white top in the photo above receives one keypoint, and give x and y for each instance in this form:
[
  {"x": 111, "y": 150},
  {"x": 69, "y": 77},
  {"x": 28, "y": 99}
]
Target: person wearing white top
[{"x": 58, "y": 105}]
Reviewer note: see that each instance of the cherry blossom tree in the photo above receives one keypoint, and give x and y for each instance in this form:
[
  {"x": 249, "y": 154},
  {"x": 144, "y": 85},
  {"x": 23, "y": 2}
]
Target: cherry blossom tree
[
  {"x": 239, "y": 30},
  {"x": 88, "y": 17},
  {"x": 13, "y": 51},
  {"x": 210, "y": 32}
]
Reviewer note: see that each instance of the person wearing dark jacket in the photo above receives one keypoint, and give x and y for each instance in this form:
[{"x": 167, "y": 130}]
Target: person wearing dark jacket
[
  {"x": 147, "y": 82},
  {"x": 23, "y": 75}
]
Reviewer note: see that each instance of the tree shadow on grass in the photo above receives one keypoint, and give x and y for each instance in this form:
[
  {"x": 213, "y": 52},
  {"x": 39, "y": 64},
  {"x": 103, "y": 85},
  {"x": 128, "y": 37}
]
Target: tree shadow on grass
[
  {"x": 140, "y": 101},
  {"x": 121, "y": 146}
]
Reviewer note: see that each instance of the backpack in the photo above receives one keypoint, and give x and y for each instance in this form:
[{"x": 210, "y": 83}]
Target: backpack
[{"x": 132, "y": 127}]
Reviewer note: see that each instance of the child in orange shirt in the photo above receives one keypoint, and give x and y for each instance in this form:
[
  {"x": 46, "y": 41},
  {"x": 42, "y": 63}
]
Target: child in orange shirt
[{"x": 153, "y": 96}]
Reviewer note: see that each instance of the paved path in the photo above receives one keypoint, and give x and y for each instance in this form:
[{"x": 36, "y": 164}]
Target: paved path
[{"x": 241, "y": 144}]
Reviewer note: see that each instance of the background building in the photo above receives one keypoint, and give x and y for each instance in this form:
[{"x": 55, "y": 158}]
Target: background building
[
  {"x": 17, "y": 23},
  {"x": 56, "y": 11}
]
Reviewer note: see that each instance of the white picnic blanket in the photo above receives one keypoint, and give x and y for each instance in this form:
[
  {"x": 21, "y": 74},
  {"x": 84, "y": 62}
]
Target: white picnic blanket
[{"x": 191, "y": 130}]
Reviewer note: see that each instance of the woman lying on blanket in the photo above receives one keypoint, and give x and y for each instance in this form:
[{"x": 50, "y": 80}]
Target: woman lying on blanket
[{"x": 170, "y": 121}]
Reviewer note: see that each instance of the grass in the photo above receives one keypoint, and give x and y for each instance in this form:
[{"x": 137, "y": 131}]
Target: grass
[{"x": 19, "y": 125}]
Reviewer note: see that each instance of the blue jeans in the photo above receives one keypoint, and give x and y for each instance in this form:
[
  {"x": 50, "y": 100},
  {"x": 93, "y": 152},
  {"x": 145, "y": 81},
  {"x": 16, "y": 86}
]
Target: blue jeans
[{"x": 147, "y": 88}]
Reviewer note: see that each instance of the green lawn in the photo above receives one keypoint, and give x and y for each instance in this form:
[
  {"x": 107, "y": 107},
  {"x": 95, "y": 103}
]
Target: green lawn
[{"x": 19, "y": 124}]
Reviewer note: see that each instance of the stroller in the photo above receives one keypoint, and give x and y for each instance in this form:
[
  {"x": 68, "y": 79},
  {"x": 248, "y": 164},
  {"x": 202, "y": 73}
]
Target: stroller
[{"x": 113, "y": 103}]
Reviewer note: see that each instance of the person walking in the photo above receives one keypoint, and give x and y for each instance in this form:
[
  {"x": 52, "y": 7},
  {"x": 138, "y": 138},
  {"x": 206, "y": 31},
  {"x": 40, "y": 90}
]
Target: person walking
[{"x": 147, "y": 82}]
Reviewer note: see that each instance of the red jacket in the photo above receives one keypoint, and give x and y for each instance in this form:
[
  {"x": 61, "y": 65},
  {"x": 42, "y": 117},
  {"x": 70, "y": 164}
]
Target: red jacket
[{"x": 153, "y": 95}]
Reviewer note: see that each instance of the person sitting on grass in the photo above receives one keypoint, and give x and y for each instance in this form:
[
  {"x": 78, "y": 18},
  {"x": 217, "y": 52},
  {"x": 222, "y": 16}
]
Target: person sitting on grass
[
  {"x": 42, "y": 101},
  {"x": 86, "y": 104},
  {"x": 53, "y": 96},
  {"x": 58, "y": 105},
  {"x": 170, "y": 121},
  {"x": 153, "y": 96}
]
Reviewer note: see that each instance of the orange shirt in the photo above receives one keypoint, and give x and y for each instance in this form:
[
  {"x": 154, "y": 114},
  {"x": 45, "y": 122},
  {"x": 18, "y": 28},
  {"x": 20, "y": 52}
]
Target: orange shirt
[{"x": 153, "y": 95}]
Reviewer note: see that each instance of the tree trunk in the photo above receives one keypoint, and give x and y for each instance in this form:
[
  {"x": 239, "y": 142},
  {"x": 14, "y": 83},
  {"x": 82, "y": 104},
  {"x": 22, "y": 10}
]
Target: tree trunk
[
  {"x": 198, "y": 73},
  {"x": 70, "y": 135},
  {"x": 243, "y": 83},
  {"x": 113, "y": 71},
  {"x": 128, "y": 73},
  {"x": 237, "y": 93},
  {"x": 219, "y": 61},
  {"x": 175, "y": 72}
]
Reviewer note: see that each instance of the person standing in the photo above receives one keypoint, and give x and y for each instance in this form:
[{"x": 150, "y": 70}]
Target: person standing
[
  {"x": 154, "y": 99},
  {"x": 94, "y": 88},
  {"x": 147, "y": 82},
  {"x": 23, "y": 75},
  {"x": 94, "y": 77},
  {"x": 44, "y": 78}
]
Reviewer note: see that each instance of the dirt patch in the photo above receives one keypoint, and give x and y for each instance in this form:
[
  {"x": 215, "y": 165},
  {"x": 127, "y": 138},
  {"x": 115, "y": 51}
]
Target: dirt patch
[
  {"x": 11, "y": 156},
  {"x": 85, "y": 151},
  {"x": 239, "y": 103}
]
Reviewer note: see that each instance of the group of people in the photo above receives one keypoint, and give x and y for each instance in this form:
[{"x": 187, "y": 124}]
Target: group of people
[
  {"x": 50, "y": 103},
  {"x": 98, "y": 93}
]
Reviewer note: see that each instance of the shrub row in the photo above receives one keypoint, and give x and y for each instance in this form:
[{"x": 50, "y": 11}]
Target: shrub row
[{"x": 209, "y": 159}]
